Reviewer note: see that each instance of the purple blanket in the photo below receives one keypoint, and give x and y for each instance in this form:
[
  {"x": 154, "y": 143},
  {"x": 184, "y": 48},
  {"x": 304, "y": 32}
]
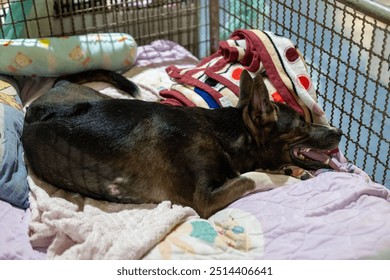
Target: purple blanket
[
  {"x": 332, "y": 216},
  {"x": 14, "y": 240}
]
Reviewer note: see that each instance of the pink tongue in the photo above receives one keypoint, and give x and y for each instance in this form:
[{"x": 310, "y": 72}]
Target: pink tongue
[
  {"x": 316, "y": 156},
  {"x": 322, "y": 157}
]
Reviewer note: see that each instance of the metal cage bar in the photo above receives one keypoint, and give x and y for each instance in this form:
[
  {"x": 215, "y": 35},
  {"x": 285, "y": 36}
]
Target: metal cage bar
[
  {"x": 146, "y": 20},
  {"x": 347, "y": 48}
]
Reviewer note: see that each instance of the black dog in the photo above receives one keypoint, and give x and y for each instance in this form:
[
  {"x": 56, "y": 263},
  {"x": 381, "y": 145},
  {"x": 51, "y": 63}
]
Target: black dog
[{"x": 131, "y": 151}]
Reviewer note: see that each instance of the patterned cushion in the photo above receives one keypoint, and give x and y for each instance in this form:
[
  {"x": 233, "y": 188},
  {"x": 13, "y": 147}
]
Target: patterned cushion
[
  {"x": 56, "y": 56},
  {"x": 13, "y": 179}
]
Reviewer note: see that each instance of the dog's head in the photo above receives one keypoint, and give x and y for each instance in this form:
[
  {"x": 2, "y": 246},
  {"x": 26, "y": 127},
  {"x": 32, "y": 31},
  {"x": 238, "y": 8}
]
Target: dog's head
[{"x": 281, "y": 134}]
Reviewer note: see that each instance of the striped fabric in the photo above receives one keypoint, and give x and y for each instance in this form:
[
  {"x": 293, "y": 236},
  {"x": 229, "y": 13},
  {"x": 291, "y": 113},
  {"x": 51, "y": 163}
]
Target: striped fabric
[{"x": 214, "y": 82}]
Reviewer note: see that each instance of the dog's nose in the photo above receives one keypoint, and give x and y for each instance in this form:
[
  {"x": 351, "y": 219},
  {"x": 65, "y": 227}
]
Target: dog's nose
[{"x": 337, "y": 131}]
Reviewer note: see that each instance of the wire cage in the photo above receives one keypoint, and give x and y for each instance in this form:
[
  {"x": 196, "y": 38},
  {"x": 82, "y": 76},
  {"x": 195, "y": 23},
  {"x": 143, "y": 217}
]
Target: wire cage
[{"x": 346, "y": 44}]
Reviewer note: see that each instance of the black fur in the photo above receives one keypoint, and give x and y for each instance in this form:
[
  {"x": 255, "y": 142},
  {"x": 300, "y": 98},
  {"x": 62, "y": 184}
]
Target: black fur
[{"x": 132, "y": 151}]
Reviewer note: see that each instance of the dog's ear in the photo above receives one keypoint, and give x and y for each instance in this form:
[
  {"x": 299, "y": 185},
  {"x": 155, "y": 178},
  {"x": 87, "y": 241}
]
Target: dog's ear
[
  {"x": 246, "y": 85},
  {"x": 260, "y": 107}
]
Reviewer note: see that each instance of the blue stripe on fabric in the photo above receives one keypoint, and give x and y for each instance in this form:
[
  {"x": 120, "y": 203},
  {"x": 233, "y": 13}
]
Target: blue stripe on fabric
[{"x": 208, "y": 98}]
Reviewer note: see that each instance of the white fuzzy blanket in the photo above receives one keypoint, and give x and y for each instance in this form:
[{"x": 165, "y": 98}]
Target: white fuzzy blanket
[{"x": 74, "y": 227}]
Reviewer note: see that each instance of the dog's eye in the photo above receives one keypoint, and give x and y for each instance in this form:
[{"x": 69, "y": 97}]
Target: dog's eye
[{"x": 303, "y": 124}]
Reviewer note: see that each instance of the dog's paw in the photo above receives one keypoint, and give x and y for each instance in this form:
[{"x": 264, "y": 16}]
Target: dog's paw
[{"x": 297, "y": 172}]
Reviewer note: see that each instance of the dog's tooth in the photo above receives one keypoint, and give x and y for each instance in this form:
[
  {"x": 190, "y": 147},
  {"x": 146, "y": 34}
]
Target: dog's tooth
[{"x": 301, "y": 156}]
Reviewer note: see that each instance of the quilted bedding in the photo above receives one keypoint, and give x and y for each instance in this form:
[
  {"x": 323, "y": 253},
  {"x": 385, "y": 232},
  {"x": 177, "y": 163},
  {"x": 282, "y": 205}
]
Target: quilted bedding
[
  {"x": 333, "y": 216},
  {"x": 336, "y": 215}
]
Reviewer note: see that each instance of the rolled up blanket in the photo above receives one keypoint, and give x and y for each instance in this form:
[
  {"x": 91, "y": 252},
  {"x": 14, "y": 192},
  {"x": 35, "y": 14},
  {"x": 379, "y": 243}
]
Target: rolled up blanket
[{"x": 214, "y": 82}]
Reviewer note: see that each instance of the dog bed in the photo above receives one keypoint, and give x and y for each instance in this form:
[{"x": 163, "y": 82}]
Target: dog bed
[{"x": 335, "y": 215}]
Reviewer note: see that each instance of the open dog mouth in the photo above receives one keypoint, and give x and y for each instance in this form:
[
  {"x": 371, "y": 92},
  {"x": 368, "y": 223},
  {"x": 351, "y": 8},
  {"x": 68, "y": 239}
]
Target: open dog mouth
[{"x": 313, "y": 158}]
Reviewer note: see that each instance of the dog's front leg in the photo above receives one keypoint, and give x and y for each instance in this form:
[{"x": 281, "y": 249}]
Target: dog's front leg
[{"x": 210, "y": 202}]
